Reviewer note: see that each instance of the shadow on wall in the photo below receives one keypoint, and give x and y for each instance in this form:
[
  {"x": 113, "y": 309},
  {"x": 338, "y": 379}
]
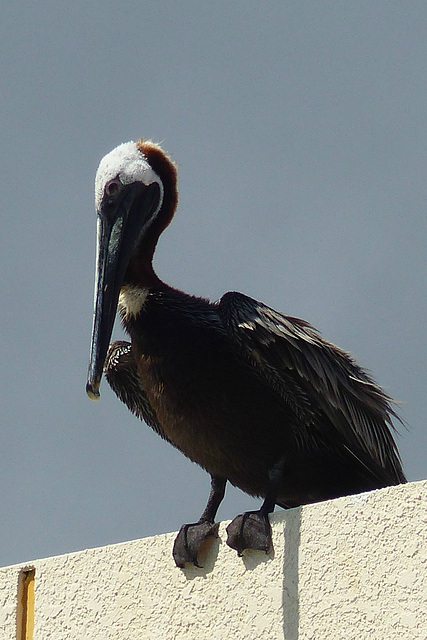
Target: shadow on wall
[{"x": 290, "y": 574}]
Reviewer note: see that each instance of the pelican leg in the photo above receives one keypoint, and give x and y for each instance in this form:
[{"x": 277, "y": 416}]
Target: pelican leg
[
  {"x": 191, "y": 537},
  {"x": 252, "y": 529}
]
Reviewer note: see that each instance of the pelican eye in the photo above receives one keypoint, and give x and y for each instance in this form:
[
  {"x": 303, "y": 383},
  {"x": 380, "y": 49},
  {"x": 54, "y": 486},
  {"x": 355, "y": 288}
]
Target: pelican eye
[{"x": 113, "y": 187}]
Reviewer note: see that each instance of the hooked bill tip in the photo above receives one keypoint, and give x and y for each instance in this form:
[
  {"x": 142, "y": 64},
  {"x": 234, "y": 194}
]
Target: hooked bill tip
[{"x": 92, "y": 390}]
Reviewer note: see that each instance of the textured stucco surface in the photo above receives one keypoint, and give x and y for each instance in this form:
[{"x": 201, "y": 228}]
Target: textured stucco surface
[{"x": 345, "y": 569}]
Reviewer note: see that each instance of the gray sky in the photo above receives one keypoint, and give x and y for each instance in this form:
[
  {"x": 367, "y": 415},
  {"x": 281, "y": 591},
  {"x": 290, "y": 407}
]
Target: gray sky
[{"x": 300, "y": 133}]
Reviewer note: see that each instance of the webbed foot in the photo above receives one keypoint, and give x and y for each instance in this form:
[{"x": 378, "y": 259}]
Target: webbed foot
[
  {"x": 190, "y": 540},
  {"x": 250, "y": 530}
]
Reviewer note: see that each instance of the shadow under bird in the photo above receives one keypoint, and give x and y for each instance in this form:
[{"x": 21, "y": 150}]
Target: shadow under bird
[{"x": 255, "y": 397}]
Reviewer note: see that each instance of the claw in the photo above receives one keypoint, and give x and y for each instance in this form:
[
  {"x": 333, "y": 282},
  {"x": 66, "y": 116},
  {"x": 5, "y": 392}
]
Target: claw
[
  {"x": 250, "y": 530},
  {"x": 190, "y": 540}
]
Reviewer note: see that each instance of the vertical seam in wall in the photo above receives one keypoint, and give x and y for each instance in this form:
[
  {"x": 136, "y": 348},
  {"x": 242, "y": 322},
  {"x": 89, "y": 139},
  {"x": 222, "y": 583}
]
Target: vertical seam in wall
[{"x": 25, "y": 608}]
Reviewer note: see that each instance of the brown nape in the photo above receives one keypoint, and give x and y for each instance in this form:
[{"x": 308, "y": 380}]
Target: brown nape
[
  {"x": 140, "y": 270},
  {"x": 166, "y": 170}
]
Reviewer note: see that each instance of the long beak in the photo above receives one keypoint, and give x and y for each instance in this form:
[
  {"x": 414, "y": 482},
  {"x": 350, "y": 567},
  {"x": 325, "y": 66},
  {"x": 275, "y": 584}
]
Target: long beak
[{"x": 119, "y": 231}]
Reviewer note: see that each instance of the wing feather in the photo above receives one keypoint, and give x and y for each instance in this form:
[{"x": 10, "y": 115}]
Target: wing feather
[{"x": 316, "y": 379}]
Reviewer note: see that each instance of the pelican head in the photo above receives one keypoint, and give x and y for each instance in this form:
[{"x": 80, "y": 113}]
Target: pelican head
[{"x": 132, "y": 210}]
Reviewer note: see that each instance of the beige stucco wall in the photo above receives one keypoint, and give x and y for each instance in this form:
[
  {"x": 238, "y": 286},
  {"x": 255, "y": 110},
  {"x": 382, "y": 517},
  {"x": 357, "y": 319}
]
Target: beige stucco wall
[{"x": 352, "y": 568}]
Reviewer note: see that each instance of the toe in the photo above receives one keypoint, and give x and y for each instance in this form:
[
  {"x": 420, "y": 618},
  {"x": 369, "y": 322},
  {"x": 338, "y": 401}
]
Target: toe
[
  {"x": 190, "y": 539},
  {"x": 250, "y": 530}
]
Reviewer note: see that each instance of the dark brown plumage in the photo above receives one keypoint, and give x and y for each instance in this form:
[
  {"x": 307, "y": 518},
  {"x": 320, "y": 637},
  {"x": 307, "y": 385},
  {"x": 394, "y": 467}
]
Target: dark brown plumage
[{"x": 253, "y": 396}]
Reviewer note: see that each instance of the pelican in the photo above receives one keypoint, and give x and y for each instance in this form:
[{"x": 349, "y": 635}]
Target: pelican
[{"x": 255, "y": 397}]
